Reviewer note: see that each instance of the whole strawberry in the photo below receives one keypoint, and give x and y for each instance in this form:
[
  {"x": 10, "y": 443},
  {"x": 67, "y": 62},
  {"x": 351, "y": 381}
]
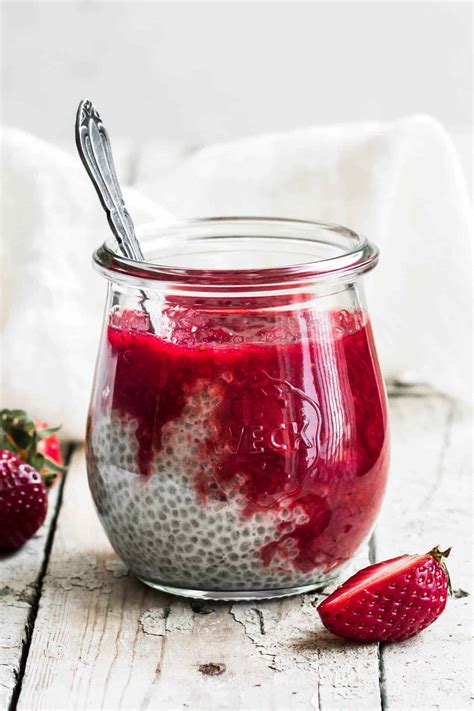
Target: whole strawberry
[
  {"x": 23, "y": 501},
  {"x": 389, "y": 601}
]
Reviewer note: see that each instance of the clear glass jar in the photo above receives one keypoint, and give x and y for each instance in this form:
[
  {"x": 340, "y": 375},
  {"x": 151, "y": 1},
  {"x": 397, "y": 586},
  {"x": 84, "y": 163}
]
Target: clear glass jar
[{"x": 237, "y": 442}]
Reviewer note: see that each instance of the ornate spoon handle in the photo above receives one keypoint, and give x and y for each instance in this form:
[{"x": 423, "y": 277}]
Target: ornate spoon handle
[{"x": 94, "y": 148}]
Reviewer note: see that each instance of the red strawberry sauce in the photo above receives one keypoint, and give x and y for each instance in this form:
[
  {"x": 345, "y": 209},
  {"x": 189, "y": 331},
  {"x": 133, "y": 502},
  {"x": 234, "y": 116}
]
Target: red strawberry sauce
[{"x": 297, "y": 416}]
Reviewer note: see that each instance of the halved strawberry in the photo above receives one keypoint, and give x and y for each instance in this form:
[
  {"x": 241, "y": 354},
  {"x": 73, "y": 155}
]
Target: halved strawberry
[
  {"x": 33, "y": 442},
  {"x": 389, "y": 601}
]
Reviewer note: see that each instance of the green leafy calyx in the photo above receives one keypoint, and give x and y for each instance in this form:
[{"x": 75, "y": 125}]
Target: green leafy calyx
[{"x": 19, "y": 435}]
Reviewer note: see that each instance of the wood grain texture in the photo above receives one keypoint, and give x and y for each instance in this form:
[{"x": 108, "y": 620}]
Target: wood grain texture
[
  {"x": 428, "y": 502},
  {"x": 19, "y": 575},
  {"x": 102, "y": 640}
]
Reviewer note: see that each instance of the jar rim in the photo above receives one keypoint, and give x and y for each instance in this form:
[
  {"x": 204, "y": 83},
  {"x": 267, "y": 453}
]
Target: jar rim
[{"x": 356, "y": 254}]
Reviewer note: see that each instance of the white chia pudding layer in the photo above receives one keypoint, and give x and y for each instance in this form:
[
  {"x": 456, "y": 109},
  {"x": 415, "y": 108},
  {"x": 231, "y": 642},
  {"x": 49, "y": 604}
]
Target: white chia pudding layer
[{"x": 166, "y": 533}]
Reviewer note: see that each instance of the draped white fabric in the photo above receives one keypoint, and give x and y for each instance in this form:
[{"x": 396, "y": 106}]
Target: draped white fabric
[{"x": 400, "y": 183}]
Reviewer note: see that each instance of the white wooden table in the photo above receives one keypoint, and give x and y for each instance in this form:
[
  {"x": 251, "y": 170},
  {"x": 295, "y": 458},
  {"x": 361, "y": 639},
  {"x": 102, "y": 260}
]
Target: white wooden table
[{"x": 78, "y": 632}]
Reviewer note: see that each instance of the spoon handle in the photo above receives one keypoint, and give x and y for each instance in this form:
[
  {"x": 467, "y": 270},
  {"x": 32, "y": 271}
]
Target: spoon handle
[{"x": 94, "y": 148}]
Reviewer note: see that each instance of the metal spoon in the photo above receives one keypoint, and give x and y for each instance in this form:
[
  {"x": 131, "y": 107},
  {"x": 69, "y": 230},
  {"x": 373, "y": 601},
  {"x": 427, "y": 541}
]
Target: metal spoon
[
  {"x": 94, "y": 148},
  {"x": 93, "y": 144}
]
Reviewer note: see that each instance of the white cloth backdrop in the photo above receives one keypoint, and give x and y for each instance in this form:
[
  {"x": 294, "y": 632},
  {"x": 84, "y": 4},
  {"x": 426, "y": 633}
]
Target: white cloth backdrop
[{"x": 400, "y": 183}]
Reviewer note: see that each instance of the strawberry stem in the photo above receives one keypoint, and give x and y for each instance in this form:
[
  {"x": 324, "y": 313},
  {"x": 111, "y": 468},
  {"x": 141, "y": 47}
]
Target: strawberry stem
[{"x": 438, "y": 555}]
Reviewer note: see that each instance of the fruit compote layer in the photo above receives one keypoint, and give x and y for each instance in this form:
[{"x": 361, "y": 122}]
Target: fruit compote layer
[{"x": 238, "y": 450}]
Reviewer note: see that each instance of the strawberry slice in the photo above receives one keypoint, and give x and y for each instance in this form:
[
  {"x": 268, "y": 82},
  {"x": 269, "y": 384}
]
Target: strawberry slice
[{"x": 389, "y": 601}]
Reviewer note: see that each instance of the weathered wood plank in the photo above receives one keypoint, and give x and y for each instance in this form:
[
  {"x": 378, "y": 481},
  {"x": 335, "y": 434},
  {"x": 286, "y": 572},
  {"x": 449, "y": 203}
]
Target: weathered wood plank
[
  {"x": 429, "y": 502},
  {"x": 88, "y": 631},
  {"x": 103, "y": 640},
  {"x": 19, "y": 575}
]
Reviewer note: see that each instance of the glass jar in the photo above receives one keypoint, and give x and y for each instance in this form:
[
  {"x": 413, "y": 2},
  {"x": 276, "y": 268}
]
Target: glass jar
[{"x": 237, "y": 442}]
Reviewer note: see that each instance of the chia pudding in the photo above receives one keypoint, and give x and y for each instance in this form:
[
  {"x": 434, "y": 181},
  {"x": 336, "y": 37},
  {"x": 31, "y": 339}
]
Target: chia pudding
[{"x": 235, "y": 450}]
